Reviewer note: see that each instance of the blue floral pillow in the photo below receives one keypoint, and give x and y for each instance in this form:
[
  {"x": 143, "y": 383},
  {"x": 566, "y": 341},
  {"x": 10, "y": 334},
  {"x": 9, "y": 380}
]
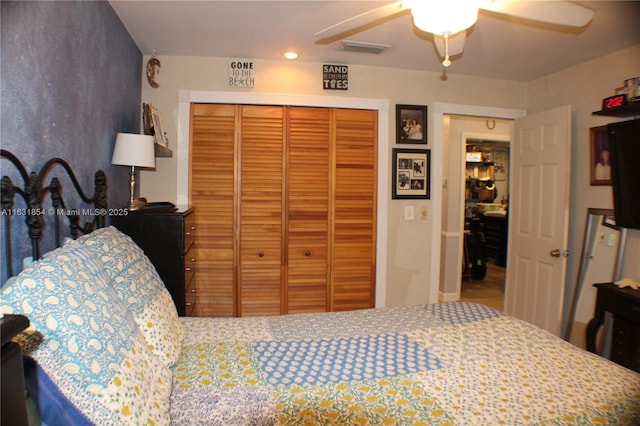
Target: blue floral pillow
[
  {"x": 140, "y": 287},
  {"x": 85, "y": 339}
]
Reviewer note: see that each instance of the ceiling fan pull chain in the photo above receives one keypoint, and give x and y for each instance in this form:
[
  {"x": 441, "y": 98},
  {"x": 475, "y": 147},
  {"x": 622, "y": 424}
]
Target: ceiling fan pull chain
[{"x": 446, "y": 61}]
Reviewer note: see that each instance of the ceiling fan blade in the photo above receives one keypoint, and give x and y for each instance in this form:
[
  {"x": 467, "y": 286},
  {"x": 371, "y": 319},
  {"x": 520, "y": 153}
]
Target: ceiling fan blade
[
  {"x": 552, "y": 12},
  {"x": 456, "y": 43},
  {"x": 360, "y": 22}
]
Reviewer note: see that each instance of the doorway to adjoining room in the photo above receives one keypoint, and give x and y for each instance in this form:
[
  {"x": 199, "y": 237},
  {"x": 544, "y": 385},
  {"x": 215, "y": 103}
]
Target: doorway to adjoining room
[
  {"x": 475, "y": 208},
  {"x": 486, "y": 195}
]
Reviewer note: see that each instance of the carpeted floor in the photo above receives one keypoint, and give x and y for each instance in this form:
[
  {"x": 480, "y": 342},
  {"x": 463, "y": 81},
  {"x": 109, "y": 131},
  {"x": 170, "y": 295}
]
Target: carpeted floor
[{"x": 489, "y": 291}]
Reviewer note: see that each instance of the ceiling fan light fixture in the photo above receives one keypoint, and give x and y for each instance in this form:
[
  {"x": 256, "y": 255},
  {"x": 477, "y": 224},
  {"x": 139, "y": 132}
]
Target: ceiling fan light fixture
[{"x": 444, "y": 16}]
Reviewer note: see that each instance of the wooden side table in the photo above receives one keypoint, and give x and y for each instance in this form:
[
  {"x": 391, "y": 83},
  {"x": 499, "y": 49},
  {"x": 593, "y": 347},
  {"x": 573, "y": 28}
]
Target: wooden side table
[{"x": 624, "y": 305}]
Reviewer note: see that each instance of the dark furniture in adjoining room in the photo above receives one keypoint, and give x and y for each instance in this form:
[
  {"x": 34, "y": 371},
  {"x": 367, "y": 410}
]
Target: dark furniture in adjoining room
[
  {"x": 496, "y": 237},
  {"x": 624, "y": 305},
  {"x": 167, "y": 239}
]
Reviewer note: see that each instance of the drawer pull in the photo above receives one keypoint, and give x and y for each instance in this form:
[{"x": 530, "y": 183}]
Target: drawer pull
[
  {"x": 188, "y": 304},
  {"x": 192, "y": 260},
  {"x": 193, "y": 290},
  {"x": 307, "y": 253},
  {"x": 187, "y": 233},
  {"x": 261, "y": 254},
  {"x": 187, "y": 269},
  {"x": 193, "y": 228}
]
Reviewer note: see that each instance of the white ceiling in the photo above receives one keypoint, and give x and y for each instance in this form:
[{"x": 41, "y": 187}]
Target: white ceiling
[{"x": 496, "y": 47}]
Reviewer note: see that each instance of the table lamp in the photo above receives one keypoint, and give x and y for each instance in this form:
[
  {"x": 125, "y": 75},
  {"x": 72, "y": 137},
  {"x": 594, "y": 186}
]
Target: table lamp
[{"x": 133, "y": 150}]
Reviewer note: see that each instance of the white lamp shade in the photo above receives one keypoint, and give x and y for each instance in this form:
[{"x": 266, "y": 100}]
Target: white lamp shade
[
  {"x": 444, "y": 17},
  {"x": 134, "y": 150}
]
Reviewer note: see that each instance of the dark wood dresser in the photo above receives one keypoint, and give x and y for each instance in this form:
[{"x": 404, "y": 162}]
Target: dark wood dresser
[
  {"x": 624, "y": 305},
  {"x": 496, "y": 234},
  {"x": 167, "y": 238}
]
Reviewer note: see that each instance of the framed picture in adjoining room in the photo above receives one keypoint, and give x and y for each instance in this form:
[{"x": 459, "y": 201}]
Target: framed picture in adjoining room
[
  {"x": 411, "y": 174},
  {"x": 411, "y": 124},
  {"x": 599, "y": 160},
  {"x": 500, "y": 160}
]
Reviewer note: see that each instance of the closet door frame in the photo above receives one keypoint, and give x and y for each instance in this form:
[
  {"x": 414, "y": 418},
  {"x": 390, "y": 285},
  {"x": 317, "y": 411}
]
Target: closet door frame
[{"x": 186, "y": 97}]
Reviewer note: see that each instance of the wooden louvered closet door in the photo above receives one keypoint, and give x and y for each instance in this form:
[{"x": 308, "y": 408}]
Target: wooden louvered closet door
[
  {"x": 212, "y": 189},
  {"x": 354, "y": 239},
  {"x": 260, "y": 206},
  {"x": 285, "y": 203},
  {"x": 309, "y": 159}
]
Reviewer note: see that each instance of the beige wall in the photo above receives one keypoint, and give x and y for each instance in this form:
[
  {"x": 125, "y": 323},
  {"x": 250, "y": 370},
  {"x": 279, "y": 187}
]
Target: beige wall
[{"x": 409, "y": 269}]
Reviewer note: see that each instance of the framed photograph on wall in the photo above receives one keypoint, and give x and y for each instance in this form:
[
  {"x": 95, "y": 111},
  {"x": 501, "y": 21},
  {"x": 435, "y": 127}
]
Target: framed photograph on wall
[
  {"x": 411, "y": 124},
  {"x": 411, "y": 174},
  {"x": 599, "y": 164}
]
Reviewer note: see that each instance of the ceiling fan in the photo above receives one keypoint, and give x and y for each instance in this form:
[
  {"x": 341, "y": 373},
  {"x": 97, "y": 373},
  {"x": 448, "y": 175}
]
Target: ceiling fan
[{"x": 448, "y": 20}]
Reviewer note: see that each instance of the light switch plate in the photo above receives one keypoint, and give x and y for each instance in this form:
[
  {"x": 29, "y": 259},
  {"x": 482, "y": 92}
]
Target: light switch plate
[{"x": 408, "y": 212}]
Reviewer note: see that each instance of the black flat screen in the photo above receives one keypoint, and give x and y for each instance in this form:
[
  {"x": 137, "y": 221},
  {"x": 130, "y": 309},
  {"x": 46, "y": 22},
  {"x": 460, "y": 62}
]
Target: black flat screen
[{"x": 624, "y": 143}]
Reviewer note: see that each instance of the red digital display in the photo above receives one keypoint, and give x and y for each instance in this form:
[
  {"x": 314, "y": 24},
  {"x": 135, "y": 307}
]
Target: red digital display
[{"x": 614, "y": 102}]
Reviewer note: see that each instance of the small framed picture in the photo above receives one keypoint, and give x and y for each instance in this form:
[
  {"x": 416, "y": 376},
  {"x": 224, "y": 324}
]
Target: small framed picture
[
  {"x": 500, "y": 159},
  {"x": 411, "y": 174},
  {"x": 411, "y": 124},
  {"x": 153, "y": 125},
  {"x": 600, "y": 163}
]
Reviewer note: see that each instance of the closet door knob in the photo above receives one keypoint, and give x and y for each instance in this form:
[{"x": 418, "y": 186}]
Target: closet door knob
[
  {"x": 261, "y": 254},
  {"x": 307, "y": 253}
]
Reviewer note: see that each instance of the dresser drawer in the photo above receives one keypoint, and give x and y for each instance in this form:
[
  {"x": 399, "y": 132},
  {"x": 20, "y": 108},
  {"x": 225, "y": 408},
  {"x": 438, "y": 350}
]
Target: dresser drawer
[
  {"x": 189, "y": 267},
  {"x": 189, "y": 231},
  {"x": 189, "y": 304},
  {"x": 190, "y": 283}
]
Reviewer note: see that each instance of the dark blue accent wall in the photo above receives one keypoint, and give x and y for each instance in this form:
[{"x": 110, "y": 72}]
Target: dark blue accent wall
[{"x": 70, "y": 80}]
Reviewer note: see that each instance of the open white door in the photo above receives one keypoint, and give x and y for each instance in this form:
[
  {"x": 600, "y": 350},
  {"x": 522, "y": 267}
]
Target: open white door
[{"x": 538, "y": 218}]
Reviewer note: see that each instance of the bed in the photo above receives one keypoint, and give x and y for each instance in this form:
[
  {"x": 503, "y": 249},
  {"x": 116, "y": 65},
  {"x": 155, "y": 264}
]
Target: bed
[{"x": 106, "y": 347}]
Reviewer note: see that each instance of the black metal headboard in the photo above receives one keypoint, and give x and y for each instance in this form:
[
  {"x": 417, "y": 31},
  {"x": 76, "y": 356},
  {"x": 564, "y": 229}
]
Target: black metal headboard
[{"x": 37, "y": 216}]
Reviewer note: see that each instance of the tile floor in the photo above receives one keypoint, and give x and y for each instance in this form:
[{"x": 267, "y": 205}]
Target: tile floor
[{"x": 489, "y": 291}]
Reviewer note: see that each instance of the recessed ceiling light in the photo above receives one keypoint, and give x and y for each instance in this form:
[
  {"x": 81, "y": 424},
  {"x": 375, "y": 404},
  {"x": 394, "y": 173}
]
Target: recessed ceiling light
[{"x": 290, "y": 54}]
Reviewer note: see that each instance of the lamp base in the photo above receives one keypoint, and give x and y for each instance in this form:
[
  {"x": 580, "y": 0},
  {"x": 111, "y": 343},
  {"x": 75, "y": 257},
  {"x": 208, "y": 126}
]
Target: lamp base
[{"x": 136, "y": 204}]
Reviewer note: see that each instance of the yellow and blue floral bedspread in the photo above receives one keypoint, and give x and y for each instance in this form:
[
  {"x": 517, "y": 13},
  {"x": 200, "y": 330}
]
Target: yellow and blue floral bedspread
[{"x": 440, "y": 364}]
